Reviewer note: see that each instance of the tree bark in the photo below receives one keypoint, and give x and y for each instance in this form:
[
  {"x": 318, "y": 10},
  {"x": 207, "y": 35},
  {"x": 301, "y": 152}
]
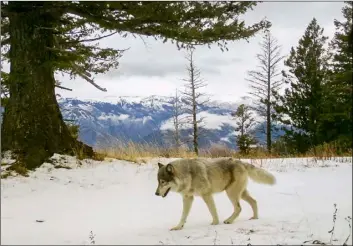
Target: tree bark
[
  {"x": 268, "y": 113},
  {"x": 33, "y": 127},
  {"x": 194, "y": 119},
  {"x": 176, "y": 109},
  {"x": 196, "y": 145}
]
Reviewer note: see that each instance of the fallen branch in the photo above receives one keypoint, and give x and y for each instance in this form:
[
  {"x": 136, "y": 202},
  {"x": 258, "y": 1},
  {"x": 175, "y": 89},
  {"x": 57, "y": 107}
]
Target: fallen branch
[
  {"x": 348, "y": 219},
  {"x": 332, "y": 231}
]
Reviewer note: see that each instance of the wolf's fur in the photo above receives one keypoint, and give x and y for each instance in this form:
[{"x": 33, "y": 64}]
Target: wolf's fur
[{"x": 203, "y": 177}]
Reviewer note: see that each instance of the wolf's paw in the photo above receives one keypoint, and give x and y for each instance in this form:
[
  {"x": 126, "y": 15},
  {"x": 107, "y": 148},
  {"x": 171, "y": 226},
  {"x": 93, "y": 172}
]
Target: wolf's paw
[
  {"x": 215, "y": 222},
  {"x": 254, "y": 218},
  {"x": 177, "y": 228},
  {"x": 228, "y": 221}
]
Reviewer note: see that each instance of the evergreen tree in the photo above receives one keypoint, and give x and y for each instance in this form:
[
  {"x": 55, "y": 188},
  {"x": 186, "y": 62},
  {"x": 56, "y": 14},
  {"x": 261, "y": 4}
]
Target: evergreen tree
[
  {"x": 338, "y": 108},
  {"x": 301, "y": 105},
  {"x": 245, "y": 122},
  {"x": 41, "y": 38}
]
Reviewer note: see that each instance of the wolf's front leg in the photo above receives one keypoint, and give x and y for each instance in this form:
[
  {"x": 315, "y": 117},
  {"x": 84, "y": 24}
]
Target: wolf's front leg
[
  {"x": 212, "y": 208},
  {"x": 187, "y": 202}
]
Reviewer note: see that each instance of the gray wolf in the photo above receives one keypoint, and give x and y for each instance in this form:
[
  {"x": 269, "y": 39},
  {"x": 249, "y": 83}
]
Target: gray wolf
[{"x": 204, "y": 177}]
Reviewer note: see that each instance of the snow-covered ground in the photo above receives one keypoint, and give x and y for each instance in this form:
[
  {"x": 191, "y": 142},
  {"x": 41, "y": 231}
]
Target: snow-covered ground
[{"x": 113, "y": 202}]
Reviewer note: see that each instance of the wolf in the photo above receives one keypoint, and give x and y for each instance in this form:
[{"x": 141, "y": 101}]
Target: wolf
[{"x": 204, "y": 177}]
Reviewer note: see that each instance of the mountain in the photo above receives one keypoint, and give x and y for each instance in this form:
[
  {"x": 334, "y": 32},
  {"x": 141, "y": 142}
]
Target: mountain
[{"x": 149, "y": 120}]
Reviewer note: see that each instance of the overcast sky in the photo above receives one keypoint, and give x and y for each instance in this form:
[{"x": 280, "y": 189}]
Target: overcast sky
[{"x": 150, "y": 67}]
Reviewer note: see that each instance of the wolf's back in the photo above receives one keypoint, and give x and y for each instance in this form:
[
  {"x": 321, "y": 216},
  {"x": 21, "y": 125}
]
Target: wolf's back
[{"x": 260, "y": 175}]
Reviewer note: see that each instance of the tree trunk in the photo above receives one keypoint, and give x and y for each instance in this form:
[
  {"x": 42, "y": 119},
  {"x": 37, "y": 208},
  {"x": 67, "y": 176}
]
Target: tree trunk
[
  {"x": 196, "y": 146},
  {"x": 176, "y": 121},
  {"x": 194, "y": 119},
  {"x": 268, "y": 113},
  {"x": 268, "y": 131},
  {"x": 242, "y": 129},
  {"x": 33, "y": 127}
]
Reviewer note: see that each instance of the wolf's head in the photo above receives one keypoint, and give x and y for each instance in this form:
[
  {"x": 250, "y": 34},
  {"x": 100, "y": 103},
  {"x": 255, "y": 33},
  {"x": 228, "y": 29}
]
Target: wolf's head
[{"x": 166, "y": 180}]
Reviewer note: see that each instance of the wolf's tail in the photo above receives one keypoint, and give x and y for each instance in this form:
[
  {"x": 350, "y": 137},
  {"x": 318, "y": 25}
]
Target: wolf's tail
[{"x": 260, "y": 175}]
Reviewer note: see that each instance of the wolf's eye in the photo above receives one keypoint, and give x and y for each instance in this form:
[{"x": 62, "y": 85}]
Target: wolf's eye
[{"x": 162, "y": 182}]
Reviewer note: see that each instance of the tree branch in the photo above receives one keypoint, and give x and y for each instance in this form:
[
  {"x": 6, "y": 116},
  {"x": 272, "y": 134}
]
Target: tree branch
[
  {"x": 62, "y": 87},
  {"x": 92, "y": 39}
]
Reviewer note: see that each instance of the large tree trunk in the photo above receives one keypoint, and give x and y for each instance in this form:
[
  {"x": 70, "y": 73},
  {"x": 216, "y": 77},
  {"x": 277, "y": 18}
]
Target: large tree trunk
[{"x": 33, "y": 126}]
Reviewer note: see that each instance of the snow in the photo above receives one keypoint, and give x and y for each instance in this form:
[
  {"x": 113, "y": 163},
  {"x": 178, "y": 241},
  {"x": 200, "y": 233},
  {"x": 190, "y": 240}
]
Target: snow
[
  {"x": 118, "y": 99},
  {"x": 86, "y": 107},
  {"x": 115, "y": 201},
  {"x": 145, "y": 119},
  {"x": 223, "y": 104},
  {"x": 156, "y": 102}
]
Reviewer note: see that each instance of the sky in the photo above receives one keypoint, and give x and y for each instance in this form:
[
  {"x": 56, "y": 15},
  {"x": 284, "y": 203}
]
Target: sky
[{"x": 150, "y": 67}]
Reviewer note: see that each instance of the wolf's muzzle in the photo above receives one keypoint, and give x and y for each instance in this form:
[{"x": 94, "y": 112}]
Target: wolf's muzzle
[{"x": 166, "y": 193}]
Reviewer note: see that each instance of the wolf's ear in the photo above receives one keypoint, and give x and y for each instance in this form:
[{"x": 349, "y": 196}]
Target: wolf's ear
[
  {"x": 170, "y": 169},
  {"x": 160, "y": 165}
]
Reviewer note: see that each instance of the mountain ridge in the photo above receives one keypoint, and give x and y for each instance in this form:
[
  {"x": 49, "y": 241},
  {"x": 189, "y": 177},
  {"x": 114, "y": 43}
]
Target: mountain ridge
[{"x": 148, "y": 120}]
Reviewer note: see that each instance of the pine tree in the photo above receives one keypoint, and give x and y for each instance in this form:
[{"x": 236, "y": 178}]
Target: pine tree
[
  {"x": 338, "y": 108},
  {"x": 265, "y": 81},
  {"x": 301, "y": 105},
  {"x": 245, "y": 121},
  {"x": 42, "y": 38}
]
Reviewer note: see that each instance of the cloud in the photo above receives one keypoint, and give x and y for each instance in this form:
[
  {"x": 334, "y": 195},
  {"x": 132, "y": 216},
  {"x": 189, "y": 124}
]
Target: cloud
[
  {"x": 163, "y": 60},
  {"x": 152, "y": 67}
]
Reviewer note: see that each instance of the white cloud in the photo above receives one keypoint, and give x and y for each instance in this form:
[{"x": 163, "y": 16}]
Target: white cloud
[
  {"x": 113, "y": 117},
  {"x": 151, "y": 67},
  {"x": 211, "y": 121}
]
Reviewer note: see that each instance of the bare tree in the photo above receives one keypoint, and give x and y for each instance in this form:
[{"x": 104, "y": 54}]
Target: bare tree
[
  {"x": 264, "y": 81},
  {"x": 177, "y": 121},
  {"x": 193, "y": 98}
]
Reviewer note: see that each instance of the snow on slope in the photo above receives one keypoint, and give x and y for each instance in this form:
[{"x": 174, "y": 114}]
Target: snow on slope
[
  {"x": 144, "y": 119},
  {"x": 115, "y": 200}
]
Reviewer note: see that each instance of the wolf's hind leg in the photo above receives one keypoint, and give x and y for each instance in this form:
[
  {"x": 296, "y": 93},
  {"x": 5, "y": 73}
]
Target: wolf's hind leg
[
  {"x": 234, "y": 192},
  {"x": 246, "y": 197}
]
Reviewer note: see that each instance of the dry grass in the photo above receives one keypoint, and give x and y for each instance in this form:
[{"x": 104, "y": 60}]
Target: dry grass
[
  {"x": 19, "y": 168},
  {"x": 136, "y": 152},
  {"x": 326, "y": 151},
  {"x": 140, "y": 153},
  {"x": 218, "y": 150},
  {"x": 80, "y": 154}
]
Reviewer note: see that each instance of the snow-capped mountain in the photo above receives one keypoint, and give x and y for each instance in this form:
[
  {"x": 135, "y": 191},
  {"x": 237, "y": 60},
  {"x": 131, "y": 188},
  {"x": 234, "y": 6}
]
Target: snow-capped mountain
[{"x": 148, "y": 120}]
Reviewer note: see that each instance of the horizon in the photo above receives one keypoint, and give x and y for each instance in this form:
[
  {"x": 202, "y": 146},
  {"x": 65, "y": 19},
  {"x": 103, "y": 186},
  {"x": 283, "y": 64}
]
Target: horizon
[{"x": 115, "y": 99}]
